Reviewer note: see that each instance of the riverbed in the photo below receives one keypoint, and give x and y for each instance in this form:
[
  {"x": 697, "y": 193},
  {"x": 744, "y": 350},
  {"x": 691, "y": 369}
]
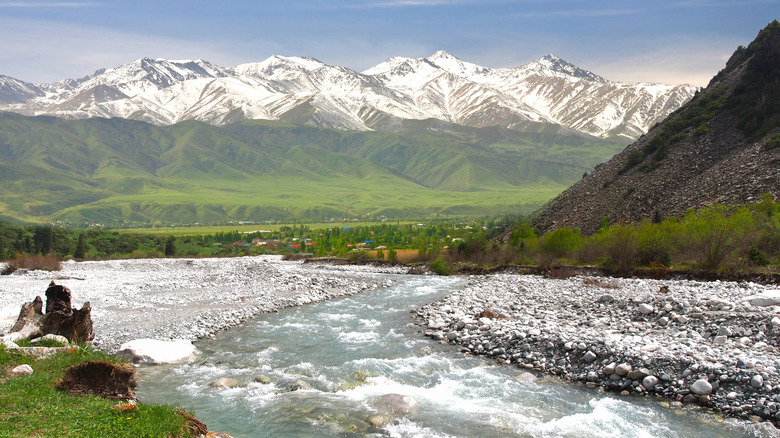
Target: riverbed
[{"x": 349, "y": 335}]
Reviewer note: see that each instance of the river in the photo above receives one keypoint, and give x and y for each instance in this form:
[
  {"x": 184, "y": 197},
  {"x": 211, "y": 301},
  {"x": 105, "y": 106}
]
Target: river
[{"x": 352, "y": 350}]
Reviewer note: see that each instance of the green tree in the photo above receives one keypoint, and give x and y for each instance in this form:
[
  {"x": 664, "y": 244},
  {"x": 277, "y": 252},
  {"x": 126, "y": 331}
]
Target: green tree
[
  {"x": 170, "y": 247},
  {"x": 81, "y": 247},
  {"x": 440, "y": 266},
  {"x": 43, "y": 240},
  {"x": 392, "y": 255}
]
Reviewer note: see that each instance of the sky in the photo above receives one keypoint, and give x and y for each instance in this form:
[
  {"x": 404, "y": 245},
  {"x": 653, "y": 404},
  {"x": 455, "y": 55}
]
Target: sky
[{"x": 665, "y": 41}]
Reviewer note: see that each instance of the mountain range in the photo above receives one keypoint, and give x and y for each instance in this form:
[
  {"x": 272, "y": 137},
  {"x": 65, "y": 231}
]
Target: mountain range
[
  {"x": 721, "y": 147},
  {"x": 306, "y": 91}
]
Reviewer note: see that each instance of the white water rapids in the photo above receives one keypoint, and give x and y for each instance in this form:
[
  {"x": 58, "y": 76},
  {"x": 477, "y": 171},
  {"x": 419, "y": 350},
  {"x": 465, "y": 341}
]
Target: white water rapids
[{"x": 352, "y": 350}]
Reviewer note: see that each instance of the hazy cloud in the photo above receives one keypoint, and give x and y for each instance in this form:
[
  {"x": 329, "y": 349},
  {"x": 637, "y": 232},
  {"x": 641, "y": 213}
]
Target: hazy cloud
[{"x": 46, "y": 5}]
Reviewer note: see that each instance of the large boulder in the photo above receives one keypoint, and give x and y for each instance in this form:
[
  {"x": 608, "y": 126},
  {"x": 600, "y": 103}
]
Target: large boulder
[{"x": 153, "y": 351}]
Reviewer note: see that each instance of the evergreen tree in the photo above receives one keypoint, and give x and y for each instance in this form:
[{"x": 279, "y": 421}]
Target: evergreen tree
[
  {"x": 170, "y": 247},
  {"x": 81, "y": 247},
  {"x": 43, "y": 239}
]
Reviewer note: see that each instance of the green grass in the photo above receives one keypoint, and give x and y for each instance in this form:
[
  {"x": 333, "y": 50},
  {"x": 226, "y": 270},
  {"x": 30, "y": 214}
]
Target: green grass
[{"x": 30, "y": 406}]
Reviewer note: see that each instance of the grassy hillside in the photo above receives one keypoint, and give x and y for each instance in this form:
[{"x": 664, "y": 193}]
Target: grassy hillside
[{"x": 113, "y": 170}]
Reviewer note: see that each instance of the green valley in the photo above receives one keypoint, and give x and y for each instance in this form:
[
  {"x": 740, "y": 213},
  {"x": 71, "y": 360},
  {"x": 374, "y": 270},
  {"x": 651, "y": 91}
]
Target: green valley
[{"x": 124, "y": 172}]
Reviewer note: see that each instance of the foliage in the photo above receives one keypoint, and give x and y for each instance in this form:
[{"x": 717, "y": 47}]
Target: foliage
[
  {"x": 714, "y": 233},
  {"x": 440, "y": 266},
  {"x": 170, "y": 246},
  {"x": 44, "y": 263},
  {"x": 31, "y": 406},
  {"x": 773, "y": 142},
  {"x": 392, "y": 255}
]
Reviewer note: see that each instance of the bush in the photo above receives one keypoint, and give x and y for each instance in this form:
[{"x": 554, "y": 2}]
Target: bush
[
  {"x": 392, "y": 255},
  {"x": 559, "y": 243},
  {"x": 380, "y": 255},
  {"x": 713, "y": 234},
  {"x": 440, "y": 266},
  {"x": 757, "y": 257},
  {"x": 44, "y": 263},
  {"x": 621, "y": 245}
]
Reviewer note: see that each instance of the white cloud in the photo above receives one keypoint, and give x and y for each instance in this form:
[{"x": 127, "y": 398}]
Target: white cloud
[{"x": 42, "y": 51}]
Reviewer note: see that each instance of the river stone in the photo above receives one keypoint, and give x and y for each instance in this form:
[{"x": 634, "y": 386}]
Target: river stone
[
  {"x": 22, "y": 370},
  {"x": 623, "y": 369},
  {"x": 609, "y": 369},
  {"x": 645, "y": 309},
  {"x": 589, "y": 357},
  {"x": 650, "y": 381},
  {"x": 379, "y": 421},
  {"x": 607, "y": 298},
  {"x": 6, "y": 340},
  {"x": 153, "y": 351},
  {"x": 701, "y": 387},
  {"x": 62, "y": 340},
  {"x": 757, "y": 381},
  {"x": 262, "y": 379},
  {"x": 767, "y": 298},
  {"x": 639, "y": 374},
  {"x": 396, "y": 405},
  {"x": 300, "y": 385},
  {"x": 526, "y": 377},
  {"x": 223, "y": 382}
]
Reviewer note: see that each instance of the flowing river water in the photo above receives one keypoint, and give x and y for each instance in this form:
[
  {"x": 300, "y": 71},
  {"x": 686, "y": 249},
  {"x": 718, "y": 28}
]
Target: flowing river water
[{"x": 352, "y": 350}]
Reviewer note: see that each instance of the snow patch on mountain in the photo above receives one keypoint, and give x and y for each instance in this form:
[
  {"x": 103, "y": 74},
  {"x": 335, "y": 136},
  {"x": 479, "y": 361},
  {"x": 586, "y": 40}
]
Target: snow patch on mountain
[{"x": 306, "y": 90}]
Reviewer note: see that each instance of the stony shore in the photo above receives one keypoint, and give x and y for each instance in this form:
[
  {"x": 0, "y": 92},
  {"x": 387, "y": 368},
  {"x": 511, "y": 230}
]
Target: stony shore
[
  {"x": 187, "y": 299},
  {"x": 715, "y": 344}
]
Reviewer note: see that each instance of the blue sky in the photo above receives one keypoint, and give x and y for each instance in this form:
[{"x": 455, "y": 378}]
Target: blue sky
[{"x": 669, "y": 41}]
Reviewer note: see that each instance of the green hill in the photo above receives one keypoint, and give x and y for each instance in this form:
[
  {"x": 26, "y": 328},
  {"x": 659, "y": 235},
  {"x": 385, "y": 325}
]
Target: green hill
[{"x": 114, "y": 170}]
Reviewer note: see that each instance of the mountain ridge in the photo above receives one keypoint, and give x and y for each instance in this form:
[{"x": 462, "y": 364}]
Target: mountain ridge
[
  {"x": 117, "y": 171},
  {"x": 308, "y": 91},
  {"x": 721, "y": 147}
]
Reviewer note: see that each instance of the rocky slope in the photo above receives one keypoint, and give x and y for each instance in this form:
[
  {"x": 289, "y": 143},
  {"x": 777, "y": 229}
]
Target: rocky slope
[
  {"x": 307, "y": 91},
  {"x": 719, "y": 147}
]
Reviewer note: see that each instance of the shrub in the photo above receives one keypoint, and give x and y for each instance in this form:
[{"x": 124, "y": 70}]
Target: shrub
[
  {"x": 713, "y": 234},
  {"x": 440, "y": 266},
  {"x": 380, "y": 255},
  {"x": 757, "y": 257},
  {"x": 773, "y": 142},
  {"x": 358, "y": 256},
  {"x": 559, "y": 243},
  {"x": 392, "y": 255},
  {"x": 621, "y": 245},
  {"x": 44, "y": 263}
]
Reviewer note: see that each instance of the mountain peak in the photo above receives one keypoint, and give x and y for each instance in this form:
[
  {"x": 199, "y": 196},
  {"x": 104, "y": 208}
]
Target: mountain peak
[
  {"x": 550, "y": 64},
  {"x": 442, "y": 54}
]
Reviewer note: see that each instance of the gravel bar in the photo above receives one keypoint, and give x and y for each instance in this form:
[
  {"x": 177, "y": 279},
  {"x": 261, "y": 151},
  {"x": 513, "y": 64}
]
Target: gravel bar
[
  {"x": 184, "y": 298},
  {"x": 715, "y": 344}
]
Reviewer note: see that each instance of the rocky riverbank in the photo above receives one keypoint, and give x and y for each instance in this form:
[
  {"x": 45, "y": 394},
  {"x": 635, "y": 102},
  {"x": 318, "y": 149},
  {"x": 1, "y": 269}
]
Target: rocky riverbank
[
  {"x": 715, "y": 344},
  {"x": 184, "y": 298}
]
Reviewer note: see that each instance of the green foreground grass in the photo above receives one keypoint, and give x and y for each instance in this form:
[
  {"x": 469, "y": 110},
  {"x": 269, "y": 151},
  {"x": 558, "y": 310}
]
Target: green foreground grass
[{"x": 30, "y": 406}]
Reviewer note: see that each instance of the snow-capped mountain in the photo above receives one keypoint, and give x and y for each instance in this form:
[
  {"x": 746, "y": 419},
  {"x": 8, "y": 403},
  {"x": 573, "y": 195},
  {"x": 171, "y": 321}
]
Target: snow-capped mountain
[{"x": 305, "y": 90}]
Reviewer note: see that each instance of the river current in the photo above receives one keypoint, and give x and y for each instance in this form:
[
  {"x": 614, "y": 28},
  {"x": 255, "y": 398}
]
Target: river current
[{"x": 353, "y": 350}]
